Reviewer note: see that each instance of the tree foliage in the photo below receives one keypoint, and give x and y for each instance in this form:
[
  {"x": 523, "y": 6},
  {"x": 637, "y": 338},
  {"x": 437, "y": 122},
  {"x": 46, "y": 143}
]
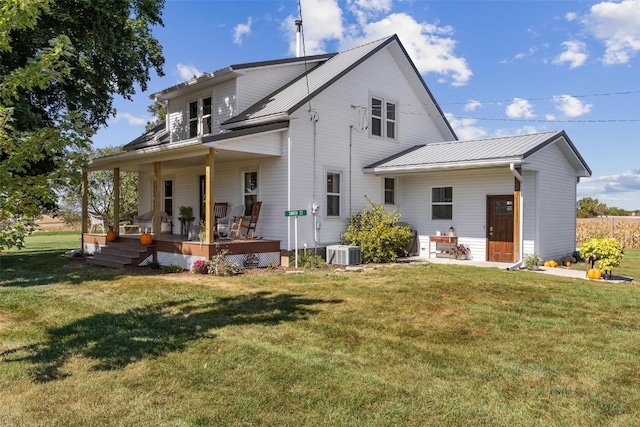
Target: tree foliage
[
  {"x": 61, "y": 63},
  {"x": 592, "y": 208},
  {"x": 159, "y": 113},
  {"x": 100, "y": 193},
  {"x": 378, "y": 234}
]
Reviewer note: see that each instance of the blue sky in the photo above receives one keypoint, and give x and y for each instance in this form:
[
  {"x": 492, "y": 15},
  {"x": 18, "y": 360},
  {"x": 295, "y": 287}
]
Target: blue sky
[{"x": 495, "y": 67}]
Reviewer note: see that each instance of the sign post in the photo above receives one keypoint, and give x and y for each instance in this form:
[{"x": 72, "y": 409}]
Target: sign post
[{"x": 295, "y": 214}]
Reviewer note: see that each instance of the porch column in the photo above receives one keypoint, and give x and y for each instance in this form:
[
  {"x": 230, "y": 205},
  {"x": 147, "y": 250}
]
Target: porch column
[
  {"x": 209, "y": 218},
  {"x": 517, "y": 238},
  {"x": 157, "y": 176},
  {"x": 116, "y": 200},
  {"x": 85, "y": 200}
]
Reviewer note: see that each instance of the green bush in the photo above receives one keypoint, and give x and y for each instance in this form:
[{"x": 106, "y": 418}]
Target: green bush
[
  {"x": 608, "y": 249},
  {"x": 378, "y": 234},
  {"x": 308, "y": 259}
]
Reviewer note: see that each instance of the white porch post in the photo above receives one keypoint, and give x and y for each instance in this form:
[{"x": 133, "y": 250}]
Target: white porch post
[
  {"x": 157, "y": 176},
  {"x": 85, "y": 201},
  {"x": 209, "y": 218},
  {"x": 116, "y": 200}
]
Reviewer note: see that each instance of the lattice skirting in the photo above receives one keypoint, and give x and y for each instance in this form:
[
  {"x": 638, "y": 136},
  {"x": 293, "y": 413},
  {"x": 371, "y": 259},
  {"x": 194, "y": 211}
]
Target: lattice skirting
[{"x": 265, "y": 259}]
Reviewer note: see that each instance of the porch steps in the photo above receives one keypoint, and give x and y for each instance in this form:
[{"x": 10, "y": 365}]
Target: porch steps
[{"x": 120, "y": 254}]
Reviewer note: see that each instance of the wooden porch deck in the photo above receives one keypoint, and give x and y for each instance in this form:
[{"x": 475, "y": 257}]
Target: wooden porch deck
[{"x": 175, "y": 248}]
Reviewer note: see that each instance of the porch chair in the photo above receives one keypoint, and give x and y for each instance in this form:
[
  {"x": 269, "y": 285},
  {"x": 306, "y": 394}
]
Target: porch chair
[
  {"x": 247, "y": 222},
  {"x": 220, "y": 209},
  {"x": 97, "y": 221},
  {"x": 224, "y": 223}
]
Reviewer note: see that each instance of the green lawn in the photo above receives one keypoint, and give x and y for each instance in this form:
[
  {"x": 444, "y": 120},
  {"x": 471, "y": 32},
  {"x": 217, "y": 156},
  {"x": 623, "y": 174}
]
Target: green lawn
[{"x": 410, "y": 345}]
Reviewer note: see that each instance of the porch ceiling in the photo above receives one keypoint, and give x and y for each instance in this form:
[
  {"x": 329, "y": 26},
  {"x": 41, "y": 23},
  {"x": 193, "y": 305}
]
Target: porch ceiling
[{"x": 186, "y": 154}]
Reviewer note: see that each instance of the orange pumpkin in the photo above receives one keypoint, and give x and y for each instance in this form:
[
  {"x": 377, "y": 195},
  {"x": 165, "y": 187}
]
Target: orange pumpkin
[
  {"x": 594, "y": 273},
  {"x": 146, "y": 239},
  {"x": 553, "y": 263},
  {"x": 111, "y": 236},
  {"x": 547, "y": 263}
]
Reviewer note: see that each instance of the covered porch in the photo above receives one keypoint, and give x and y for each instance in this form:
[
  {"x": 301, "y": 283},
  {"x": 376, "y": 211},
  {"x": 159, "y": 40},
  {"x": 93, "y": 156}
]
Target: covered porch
[{"x": 154, "y": 157}]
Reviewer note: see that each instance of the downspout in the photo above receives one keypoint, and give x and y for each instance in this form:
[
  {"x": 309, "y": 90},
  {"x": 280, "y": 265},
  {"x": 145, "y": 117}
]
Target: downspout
[{"x": 518, "y": 176}]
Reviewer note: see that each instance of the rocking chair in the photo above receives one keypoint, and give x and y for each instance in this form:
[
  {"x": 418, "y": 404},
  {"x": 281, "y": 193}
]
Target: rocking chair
[
  {"x": 97, "y": 221},
  {"x": 246, "y": 222}
]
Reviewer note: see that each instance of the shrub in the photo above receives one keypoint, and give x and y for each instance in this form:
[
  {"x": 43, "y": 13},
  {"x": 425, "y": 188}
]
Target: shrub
[
  {"x": 219, "y": 266},
  {"x": 154, "y": 265},
  {"x": 378, "y": 234},
  {"x": 608, "y": 250},
  {"x": 199, "y": 267},
  {"x": 173, "y": 268},
  {"x": 308, "y": 259}
]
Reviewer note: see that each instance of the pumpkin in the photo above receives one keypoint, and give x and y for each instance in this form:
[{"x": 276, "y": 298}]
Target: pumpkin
[
  {"x": 553, "y": 263},
  {"x": 111, "y": 236},
  {"x": 568, "y": 263},
  {"x": 594, "y": 273},
  {"x": 146, "y": 239},
  {"x": 547, "y": 263}
]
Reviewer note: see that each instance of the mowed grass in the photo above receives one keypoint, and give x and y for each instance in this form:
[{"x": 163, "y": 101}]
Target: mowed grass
[{"x": 408, "y": 345}]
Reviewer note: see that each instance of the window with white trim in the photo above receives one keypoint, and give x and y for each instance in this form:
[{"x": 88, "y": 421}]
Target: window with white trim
[
  {"x": 193, "y": 119},
  {"x": 442, "y": 203},
  {"x": 384, "y": 118},
  {"x": 168, "y": 197},
  {"x": 206, "y": 116},
  {"x": 333, "y": 194},
  {"x": 389, "y": 191},
  {"x": 250, "y": 191}
]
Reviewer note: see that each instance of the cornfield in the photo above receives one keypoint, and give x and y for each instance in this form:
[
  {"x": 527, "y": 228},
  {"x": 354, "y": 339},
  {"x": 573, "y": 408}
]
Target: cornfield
[{"x": 626, "y": 230}]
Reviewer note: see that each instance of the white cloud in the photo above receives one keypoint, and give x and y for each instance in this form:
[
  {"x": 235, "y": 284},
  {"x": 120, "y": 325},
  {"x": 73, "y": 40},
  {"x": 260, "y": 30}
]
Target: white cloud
[
  {"x": 525, "y": 130},
  {"x": 241, "y": 30},
  {"x": 520, "y": 108},
  {"x": 617, "y": 24},
  {"x": 466, "y": 129},
  {"x": 575, "y": 54},
  {"x": 130, "y": 118},
  {"x": 621, "y": 190},
  {"x": 186, "y": 72},
  {"x": 429, "y": 45},
  {"x": 571, "y": 16},
  {"x": 324, "y": 24},
  {"x": 472, "y": 105},
  {"x": 571, "y": 106}
]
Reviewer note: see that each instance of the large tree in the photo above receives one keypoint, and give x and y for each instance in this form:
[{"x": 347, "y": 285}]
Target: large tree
[{"x": 61, "y": 63}]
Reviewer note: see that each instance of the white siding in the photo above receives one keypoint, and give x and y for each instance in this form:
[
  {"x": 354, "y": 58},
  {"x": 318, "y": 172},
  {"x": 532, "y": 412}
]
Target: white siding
[
  {"x": 530, "y": 211},
  {"x": 470, "y": 191},
  {"x": 556, "y": 210}
]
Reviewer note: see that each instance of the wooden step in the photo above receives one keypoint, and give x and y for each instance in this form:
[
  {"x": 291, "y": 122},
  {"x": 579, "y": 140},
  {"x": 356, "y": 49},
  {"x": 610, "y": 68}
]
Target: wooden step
[{"x": 120, "y": 254}]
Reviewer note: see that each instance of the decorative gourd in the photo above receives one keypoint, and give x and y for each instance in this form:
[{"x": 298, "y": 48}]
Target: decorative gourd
[
  {"x": 111, "y": 236},
  {"x": 594, "y": 273},
  {"x": 146, "y": 239}
]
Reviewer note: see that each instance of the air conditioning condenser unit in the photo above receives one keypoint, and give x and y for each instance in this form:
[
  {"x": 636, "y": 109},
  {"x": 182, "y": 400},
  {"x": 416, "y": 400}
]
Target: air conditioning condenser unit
[{"x": 344, "y": 255}]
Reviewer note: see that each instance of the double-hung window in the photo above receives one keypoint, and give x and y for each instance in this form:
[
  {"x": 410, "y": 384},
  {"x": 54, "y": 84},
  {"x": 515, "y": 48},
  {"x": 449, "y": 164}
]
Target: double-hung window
[
  {"x": 250, "y": 191},
  {"x": 193, "y": 119},
  {"x": 389, "y": 191},
  {"x": 168, "y": 197},
  {"x": 384, "y": 118},
  {"x": 442, "y": 203},
  {"x": 206, "y": 116},
  {"x": 333, "y": 194}
]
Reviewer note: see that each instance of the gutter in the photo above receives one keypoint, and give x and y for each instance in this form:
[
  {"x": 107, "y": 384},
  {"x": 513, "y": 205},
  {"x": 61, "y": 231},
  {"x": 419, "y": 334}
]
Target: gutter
[{"x": 518, "y": 176}]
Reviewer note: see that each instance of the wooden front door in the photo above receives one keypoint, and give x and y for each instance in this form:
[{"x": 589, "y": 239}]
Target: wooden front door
[{"x": 500, "y": 228}]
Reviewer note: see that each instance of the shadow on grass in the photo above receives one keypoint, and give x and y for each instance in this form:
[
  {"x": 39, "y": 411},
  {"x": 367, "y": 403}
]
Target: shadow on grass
[
  {"x": 44, "y": 267},
  {"x": 114, "y": 340}
]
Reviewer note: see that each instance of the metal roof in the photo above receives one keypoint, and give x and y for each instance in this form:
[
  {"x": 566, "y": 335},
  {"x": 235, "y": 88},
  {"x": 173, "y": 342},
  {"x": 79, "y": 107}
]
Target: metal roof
[
  {"x": 478, "y": 152},
  {"x": 148, "y": 138}
]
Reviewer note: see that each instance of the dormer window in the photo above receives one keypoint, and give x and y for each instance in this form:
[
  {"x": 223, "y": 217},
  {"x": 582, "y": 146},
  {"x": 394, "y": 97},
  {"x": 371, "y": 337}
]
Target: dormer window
[
  {"x": 193, "y": 119},
  {"x": 206, "y": 116},
  {"x": 384, "y": 118}
]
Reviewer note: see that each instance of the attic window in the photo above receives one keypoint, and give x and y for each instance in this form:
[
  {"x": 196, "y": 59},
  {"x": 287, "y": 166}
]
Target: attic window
[
  {"x": 193, "y": 119},
  {"x": 384, "y": 118}
]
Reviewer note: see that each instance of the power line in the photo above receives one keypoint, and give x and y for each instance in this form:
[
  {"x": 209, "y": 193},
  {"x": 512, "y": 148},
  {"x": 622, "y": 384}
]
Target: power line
[
  {"x": 631, "y": 92},
  {"x": 547, "y": 120}
]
